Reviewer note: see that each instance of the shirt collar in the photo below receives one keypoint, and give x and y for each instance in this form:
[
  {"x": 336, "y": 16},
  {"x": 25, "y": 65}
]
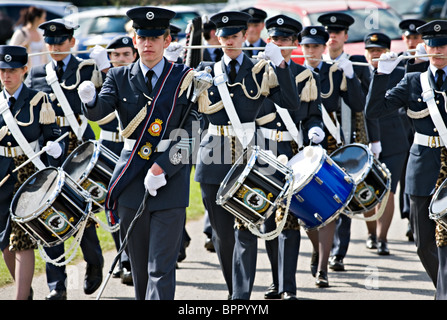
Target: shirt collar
[
  {"x": 255, "y": 44},
  {"x": 312, "y": 68},
  {"x": 15, "y": 94},
  {"x": 65, "y": 60},
  {"x": 433, "y": 70},
  {"x": 239, "y": 59},
  {"x": 158, "y": 68}
]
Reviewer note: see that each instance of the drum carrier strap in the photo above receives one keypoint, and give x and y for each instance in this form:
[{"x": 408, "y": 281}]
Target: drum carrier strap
[
  {"x": 53, "y": 82},
  {"x": 17, "y": 133}
]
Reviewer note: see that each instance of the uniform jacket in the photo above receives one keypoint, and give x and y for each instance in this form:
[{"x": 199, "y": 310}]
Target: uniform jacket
[
  {"x": 32, "y": 132},
  {"x": 308, "y": 115},
  {"x": 424, "y": 162},
  {"x": 124, "y": 90},
  {"x": 214, "y": 156},
  {"x": 36, "y": 80}
]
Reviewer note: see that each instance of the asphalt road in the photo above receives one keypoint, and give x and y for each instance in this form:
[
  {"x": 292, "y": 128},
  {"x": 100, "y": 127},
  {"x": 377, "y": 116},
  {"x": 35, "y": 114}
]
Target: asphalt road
[{"x": 368, "y": 276}]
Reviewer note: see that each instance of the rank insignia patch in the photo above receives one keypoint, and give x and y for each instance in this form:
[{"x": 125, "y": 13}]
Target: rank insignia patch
[
  {"x": 145, "y": 151},
  {"x": 155, "y": 128}
]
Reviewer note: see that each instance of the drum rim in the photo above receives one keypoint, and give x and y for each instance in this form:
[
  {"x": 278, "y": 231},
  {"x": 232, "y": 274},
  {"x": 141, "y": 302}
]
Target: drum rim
[
  {"x": 222, "y": 199},
  {"x": 312, "y": 175},
  {"x": 60, "y": 183},
  {"x": 93, "y": 160},
  {"x": 435, "y": 215},
  {"x": 370, "y": 159}
]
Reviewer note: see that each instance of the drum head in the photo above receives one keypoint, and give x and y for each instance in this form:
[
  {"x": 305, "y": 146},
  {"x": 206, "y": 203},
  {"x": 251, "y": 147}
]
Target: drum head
[
  {"x": 439, "y": 202},
  {"x": 305, "y": 164},
  {"x": 79, "y": 164},
  {"x": 37, "y": 193},
  {"x": 354, "y": 159}
]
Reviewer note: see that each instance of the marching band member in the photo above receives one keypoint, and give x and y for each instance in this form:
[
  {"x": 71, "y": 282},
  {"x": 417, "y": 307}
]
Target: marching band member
[
  {"x": 235, "y": 103},
  {"x": 394, "y": 143},
  {"x": 274, "y": 127},
  {"x": 422, "y": 95},
  {"x": 254, "y": 28},
  {"x": 355, "y": 127},
  {"x": 150, "y": 97},
  {"x": 124, "y": 54},
  {"x": 60, "y": 79},
  {"x": 25, "y": 116},
  {"x": 336, "y": 81}
]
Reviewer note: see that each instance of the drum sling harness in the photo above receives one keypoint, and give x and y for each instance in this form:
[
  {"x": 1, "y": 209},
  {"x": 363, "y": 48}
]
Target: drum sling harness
[
  {"x": 428, "y": 96},
  {"x": 53, "y": 82},
  {"x": 334, "y": 129},
  {"x": 290, "y": 125},
  {"x": 17, "y": 133},
  {"x": 243, "y": 131}
]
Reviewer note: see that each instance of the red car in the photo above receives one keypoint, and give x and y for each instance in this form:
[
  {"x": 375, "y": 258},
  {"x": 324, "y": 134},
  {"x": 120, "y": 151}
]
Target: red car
[{"x": 370, "y": 16}]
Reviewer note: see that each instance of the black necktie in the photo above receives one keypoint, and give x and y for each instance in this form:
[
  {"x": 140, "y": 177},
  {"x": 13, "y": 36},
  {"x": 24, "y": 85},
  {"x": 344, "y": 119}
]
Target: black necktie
[
  {"x": 60, "y": 70},
  {"x": 149, "y": 75},
  {"x": 233, "y": 70},
  {"x": 250, "y": 52},
  {"x": 218, "y": 54},
  {"x": 440, "y": 80},
  {"x": 12, "y": 101}
]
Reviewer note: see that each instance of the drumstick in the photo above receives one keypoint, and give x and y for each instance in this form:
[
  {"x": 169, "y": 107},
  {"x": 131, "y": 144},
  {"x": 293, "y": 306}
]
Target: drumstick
[
  {"x": 40, "y": 152},
  {"x": 4, "y": 179},
  {"x": 64, "y": 52}
]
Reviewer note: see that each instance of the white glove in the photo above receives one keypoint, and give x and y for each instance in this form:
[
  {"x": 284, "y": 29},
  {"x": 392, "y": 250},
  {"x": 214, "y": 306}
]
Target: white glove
[
  {"x": 420, "y": 50},
  {"x": 376, "y": 148},
  {"x": 273, "y": 53},
  {"x": 173, "y": 51},
  {"x": 99, "y": 54},
  {"x": 53, "y": 149},
  {"x": 346, "y": 66},
  {"x": 260, "y": 55},
  {"x": 316, "y": 135},
  {"x": 86, "y": 91},
  {"x": 387, "y": 66},
  {"x": 153, "y": 183}
]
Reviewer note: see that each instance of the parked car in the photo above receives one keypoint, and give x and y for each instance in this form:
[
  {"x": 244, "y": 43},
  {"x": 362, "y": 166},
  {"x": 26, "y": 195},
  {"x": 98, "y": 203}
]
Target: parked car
[
  {"x": 420, "y": 9},
  {"x": 370, "y": 16},
  {"x": 100, "y": 25},
  {"x": 54, "y": 9}
]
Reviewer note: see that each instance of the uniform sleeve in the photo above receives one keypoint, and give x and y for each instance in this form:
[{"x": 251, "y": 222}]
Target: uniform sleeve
[
  {"x": 286, "y": 94},
  {"x": 105, "y": 101}
]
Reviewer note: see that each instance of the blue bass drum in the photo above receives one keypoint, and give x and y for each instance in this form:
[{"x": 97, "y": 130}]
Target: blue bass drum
[{"x": 321, "y": 188}]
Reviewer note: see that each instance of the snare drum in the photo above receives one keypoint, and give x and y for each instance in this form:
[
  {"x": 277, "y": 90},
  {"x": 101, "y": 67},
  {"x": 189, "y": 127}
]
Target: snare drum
[
  {"x": 321, "y": 188},
  {"x": 438, "y": 205},
  {"x": 91, "y": 165},
  {"x": 372, "y": 178},
  {"x": 252, "y": 191},
  {"x": 50, "y": 206}
]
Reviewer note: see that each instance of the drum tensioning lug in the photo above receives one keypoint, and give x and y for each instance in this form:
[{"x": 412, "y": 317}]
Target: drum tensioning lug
[
  {"x": 318, "y": 217},
  {"x": 318, "y": 180},
  {"x": 337, "y": 199},
  {"x": 299, "y": 198}
]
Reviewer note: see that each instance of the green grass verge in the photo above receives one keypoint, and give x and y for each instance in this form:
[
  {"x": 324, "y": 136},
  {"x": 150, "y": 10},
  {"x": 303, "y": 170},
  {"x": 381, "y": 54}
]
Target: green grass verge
[{"x": 194, "y": 211}]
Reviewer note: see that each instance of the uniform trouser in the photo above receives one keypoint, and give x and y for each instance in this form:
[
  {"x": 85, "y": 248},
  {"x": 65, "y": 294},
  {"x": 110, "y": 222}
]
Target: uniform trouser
[
  {"x": 288, "y": 250},
  {"x": 91, "y": 249},
  {"x": 153, "y": 247},
  {"x": 222, "y": 223},
  {"x": 342, "y": 236},
  {"x": 271, "y": 247},
  {"x": 124, "y": 258},
  {"x": 424, "y": 235}
]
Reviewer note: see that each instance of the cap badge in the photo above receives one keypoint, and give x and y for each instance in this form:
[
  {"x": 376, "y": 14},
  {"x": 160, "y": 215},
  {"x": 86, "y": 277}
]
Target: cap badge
[
  {"x": 411, "y": 27},
  {"x": 225, "y": 19},
  {"x": 333, "y": 19},
  {"x": 52, "y": 27},
  {"x": 374, "y": 37},
  {"x": 437, "y": 28},
  {"x": 313, "y": 31},
  {"x": 8, "y": 58},
  {"x": 280, "y": 21},
  {"x": 150, "y": 15},
  {"x": 125, "y": 40},
  {"x": 251, "y": 12}
]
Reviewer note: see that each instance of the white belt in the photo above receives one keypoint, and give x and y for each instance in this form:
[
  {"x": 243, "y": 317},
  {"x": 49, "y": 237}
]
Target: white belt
[
  {"x": 276, "y": 135},
  {"x": 227, "y": 131},
  {"x": 428, "y": 141},
  {"x": 12, "y": 152},
  {"x": 163, "y": 145},
  {"x": 113, "y": 136},
  {"x": 62, "y": 121}
]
